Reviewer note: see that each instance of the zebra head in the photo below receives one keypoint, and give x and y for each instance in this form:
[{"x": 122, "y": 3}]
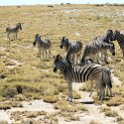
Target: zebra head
[
  {"x": 64, "y": 42},
  {"x": 112, "y": 49},
  {"x": 109, "y": 34},
  {"x": 115, "y": 35},
  {"x": 60, "y": 63},
  {"x": 19, "y": 26},
  {"x": 37, "y": 38}
]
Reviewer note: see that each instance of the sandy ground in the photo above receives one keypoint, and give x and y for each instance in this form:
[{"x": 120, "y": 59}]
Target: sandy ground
[{"x": 93, "y": 113}]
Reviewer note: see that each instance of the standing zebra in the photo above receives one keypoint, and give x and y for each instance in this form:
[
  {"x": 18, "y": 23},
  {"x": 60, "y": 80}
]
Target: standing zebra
[
  {"x": 106, "y": 77},
  {"x": 14, "y": 30},
  {"x": 72, "y": 49},
  {"x": 79, "y": 74},
  {"x": 106, "y": 38},
  {"x": 43, "y": 46},
  {"x": 100, "y": 44},
  {"x": 120, "y": 39},
  {"x": 93, "y": 50}
]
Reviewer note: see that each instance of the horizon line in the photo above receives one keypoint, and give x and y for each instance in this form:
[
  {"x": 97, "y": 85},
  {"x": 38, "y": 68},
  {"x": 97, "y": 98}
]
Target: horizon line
[{"x": 60, "y": 4}]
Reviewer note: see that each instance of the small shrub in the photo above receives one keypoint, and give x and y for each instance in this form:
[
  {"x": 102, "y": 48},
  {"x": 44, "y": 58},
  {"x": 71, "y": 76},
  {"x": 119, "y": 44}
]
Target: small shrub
[
  {"x": 115, "y": 101},
  {"x": 5, "y": 106},
  {"x": 9, "y": 91},
  {"x": 50, "y": 99},
  {"x": 108, "y": 112}
]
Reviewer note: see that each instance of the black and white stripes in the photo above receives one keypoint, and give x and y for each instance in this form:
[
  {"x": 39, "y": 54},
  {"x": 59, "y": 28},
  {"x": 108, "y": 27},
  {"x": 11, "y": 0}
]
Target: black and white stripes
[
  {"x": 43, "y": 46},
  {"x": 14, "y": 30},
  {"x": 79, "y": 74},
  {"x": 93, "y": 49},
  {"x": 73, "y": 49},
  {"x": 120, "y": 39}
]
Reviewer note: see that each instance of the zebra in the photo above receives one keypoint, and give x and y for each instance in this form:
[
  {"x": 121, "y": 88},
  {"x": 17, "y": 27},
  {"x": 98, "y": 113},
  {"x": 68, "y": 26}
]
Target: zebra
[
  {"x": 120, "y": 39},
  {"x": 72, "y": 49},
  {"x": 106, "y": 76},
  {"x": 106, "y": 38},
  {"x": 14, "y": 30},
  {"x": 43, "y": 46},
  {"x": 75, "y": 73},
  {"x": 93, "y": 50}
]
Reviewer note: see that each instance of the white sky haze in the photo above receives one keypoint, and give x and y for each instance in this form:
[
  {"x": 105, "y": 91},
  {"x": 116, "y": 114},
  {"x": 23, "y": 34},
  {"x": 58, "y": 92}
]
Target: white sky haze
[{"x": 31, "y": 2}]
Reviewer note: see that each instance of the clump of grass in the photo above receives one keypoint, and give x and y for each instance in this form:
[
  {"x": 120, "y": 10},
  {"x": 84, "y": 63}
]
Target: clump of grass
[
  {"x": 86, "y": 87},
  {"x": 63, "y": 105},
  {"x": 5, "y": 106},
  {"x": 115, "y": 101},
  {"x": 51, "y": 99},
  {"x": 108, "y": 112},
  {"x": 9, "y": 91},
  {"x": 93, "y": 122},
  {"x": 52, "y": 118},
  {"x": 119, "y": 119},
  {"x": 34, "y": 114}
]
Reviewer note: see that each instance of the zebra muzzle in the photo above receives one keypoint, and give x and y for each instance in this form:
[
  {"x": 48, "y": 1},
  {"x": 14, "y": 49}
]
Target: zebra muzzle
[
  {"x": 55, "y": 69},
  {"x": 34, "y": 43},
  {"x": 61, "y": 46},
  {"x": 113, "y": 54}
]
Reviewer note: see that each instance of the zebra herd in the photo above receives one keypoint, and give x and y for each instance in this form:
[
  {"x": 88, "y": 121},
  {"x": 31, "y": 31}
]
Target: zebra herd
[{"x": 77, "y": 68}]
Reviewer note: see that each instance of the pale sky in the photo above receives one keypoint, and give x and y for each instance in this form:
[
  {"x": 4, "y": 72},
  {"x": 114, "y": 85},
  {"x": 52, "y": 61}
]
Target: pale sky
[{"x": 31, "y": 2}]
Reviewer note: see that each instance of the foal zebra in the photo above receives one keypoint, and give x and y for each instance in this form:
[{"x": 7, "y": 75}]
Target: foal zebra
[
  {"x": 72, "y": 49},
  {"x": 14, "y": 30},
  {"x": 43, "y": 46},
  {"x": 106, "y": 77},
  {"x": 120, "y": 39},
  {"x": 73, "y": 73},
  {"x": 93, "y": 50}
]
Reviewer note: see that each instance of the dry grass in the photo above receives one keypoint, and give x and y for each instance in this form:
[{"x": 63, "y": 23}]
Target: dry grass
[
  {"x": 108, "y": 112},
  {"x": 29, "y": 78}
]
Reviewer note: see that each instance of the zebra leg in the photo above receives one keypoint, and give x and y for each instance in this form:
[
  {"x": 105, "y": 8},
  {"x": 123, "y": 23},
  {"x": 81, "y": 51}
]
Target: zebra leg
[
  {"x": 97, "y": 57},
  {"x": 110, "y": 91},
  {"x": 105, "y": 57},
  {"x": 45, "y": 54},
  {"x": 123, "y": 52},
  {"x": 16, "y": 36},
  {"x": 91, "y": 89},
  {"x": 69, "y": 92},
  {"x": 97, "y": 87},
  {"x": 106, "y": 91},
  {"x": 49, "y": 53},
  {"x": 102, "y": 92}
]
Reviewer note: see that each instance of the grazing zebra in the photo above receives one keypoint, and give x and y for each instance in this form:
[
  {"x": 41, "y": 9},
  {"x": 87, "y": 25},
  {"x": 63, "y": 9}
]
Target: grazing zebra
[
  {"x": 14, "y": 30},
  {"x": 73, "y": 73},
  {"x": 106, "y": 77},
  {"x": 120, "y": 39},
  {"x": 93, "y": 50},
  {"x": 43, "y": 46},
  {"x": 72, "y": 49}
]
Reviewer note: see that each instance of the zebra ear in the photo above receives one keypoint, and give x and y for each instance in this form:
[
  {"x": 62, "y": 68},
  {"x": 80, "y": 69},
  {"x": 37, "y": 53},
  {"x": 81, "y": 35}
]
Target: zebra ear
[
  {"x": 57, "y": 56},
  {"x": 54, "y": 57}
]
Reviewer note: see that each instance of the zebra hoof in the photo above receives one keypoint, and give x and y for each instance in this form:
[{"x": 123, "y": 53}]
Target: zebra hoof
[{"x": 69, "y": 99}]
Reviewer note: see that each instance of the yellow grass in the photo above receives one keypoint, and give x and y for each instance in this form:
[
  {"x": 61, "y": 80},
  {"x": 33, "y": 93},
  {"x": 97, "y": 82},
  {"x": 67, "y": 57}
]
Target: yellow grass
[{"x": 35, "y": 78}]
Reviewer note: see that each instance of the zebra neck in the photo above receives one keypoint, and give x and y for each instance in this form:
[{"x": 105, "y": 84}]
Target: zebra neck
[
  {"x": 120, "y": 38},
  {"x": 65, "y": 69},
  {"x": 106, "y": 39},
  {"x": 67, "y": 45}
]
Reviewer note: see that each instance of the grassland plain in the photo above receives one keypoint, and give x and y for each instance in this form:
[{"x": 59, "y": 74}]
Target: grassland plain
[{"x": 28, "y": 78}]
